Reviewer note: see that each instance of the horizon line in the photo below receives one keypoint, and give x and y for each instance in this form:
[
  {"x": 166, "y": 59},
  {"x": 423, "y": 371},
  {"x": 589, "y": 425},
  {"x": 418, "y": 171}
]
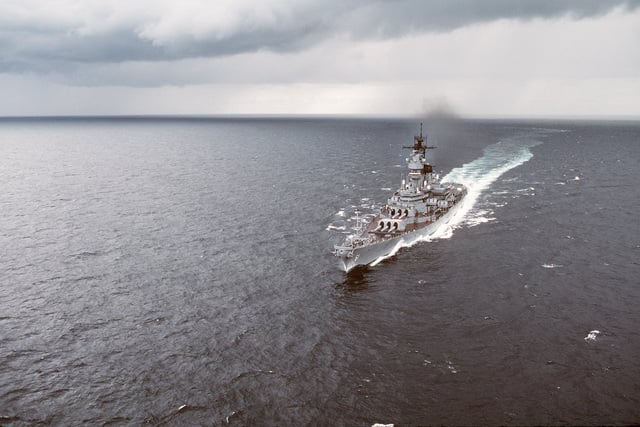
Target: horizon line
[{"x": 585, "y": 117}]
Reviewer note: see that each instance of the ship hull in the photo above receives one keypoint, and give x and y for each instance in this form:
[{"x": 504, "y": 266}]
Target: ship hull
[{"x": 368, "y": 254}]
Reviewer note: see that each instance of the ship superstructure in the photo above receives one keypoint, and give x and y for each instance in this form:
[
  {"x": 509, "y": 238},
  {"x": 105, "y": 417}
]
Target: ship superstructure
[{"x": 416, "y": 209}]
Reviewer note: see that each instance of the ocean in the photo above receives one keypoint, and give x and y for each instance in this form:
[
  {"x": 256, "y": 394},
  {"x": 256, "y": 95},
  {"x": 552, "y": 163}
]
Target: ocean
[{"x": 178, "y": 271}]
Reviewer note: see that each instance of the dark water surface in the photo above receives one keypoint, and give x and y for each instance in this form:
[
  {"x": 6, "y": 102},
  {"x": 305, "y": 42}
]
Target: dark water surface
[{"x": 177, "y": 272}]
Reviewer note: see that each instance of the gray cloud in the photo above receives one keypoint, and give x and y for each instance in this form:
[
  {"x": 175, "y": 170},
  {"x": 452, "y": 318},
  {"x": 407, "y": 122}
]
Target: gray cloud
[
  {"x": 388, "y": 19},
  {"x": 41, "y": 40}
]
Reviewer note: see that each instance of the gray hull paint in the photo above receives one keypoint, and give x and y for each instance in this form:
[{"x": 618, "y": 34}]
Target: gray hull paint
[
  {"x": 419, "y": 200},
  {"x": 368, "y": 254}
]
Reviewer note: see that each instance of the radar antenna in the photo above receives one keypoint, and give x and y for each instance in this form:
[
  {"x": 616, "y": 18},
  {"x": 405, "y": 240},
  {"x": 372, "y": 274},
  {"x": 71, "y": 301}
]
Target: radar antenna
[{"x": 418, "y": 142}]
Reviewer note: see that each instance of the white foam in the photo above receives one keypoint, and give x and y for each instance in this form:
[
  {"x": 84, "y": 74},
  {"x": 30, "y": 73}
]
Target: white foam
[
  {"x": 336, "y": 227},
  {"x": 552, "y": 265},
  {"x": 477, "y": 217},
  {"x": 341, "y": 212},
  {"x": 472, "y": 222},
  {"x": 592, "y": 335},
  {"x": 477, "y": 176}
]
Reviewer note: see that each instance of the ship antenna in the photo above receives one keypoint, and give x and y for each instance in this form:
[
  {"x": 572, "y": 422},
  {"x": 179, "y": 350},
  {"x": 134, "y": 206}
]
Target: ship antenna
[
  {"x": 358, "y": 220},
  {"x": 420, "y": 143}
]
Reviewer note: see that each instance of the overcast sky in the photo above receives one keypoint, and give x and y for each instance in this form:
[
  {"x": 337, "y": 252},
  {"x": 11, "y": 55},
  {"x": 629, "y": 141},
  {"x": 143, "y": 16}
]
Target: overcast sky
[{"x": 397, "y": 58}]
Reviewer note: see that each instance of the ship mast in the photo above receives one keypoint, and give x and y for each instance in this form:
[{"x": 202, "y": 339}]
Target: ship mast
[
  {"x": 419, "y": 170},
  {"x": 419, "y": 144}
]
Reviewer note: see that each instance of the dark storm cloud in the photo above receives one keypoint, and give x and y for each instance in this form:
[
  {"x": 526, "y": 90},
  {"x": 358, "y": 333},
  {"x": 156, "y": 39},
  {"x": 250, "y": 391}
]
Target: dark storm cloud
[
  {"x": 40, "y": 43},
  {"x": 397, "y": 18}
]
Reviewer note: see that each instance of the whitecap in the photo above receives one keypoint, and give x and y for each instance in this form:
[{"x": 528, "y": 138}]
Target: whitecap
[
  {"x": 592, "y": 335},
  {"x": 552, "y": 265},
  {"x": 477, "y": 217},
  {"x": 472, "y": 222},
  {"x": 341, "y": 213},
  {"x": 335, "y": 227}
]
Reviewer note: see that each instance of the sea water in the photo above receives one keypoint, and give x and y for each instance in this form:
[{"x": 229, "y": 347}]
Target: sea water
[{"x": 178, "y": 271}]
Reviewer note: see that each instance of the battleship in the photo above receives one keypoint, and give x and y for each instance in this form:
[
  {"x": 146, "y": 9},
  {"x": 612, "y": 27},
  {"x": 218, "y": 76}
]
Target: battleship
[{"x": 416, "y": 210}]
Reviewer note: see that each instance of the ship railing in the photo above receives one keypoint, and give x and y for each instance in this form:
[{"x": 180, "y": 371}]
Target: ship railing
[
  {"x": 341, "y": 250},
  {"x": 360, "y": 242},
  {"x": 353, "y": 243}
]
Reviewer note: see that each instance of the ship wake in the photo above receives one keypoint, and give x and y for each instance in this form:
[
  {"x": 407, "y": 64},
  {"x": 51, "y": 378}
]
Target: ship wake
[{"x": 477, "y": 176}]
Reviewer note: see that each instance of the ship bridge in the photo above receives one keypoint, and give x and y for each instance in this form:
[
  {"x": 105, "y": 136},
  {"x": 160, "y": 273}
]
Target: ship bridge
[{"x": 420, "y": 171}]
